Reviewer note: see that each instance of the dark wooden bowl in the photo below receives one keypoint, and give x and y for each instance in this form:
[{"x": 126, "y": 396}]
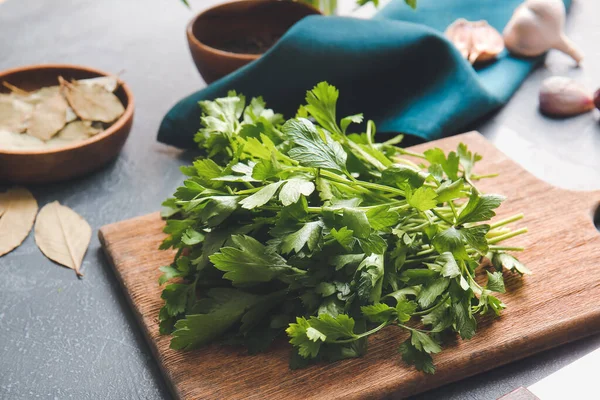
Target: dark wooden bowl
[
  {"x": 62, "y": 163},
  {"x": 210, "y": 31}
]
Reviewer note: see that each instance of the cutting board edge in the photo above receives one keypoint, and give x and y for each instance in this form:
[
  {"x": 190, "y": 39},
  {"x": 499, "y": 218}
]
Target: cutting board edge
[{"x": 169, "y": 381}]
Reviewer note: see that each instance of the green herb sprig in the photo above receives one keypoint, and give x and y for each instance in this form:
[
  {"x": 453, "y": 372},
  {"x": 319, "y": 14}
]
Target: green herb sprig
[{"x": 304, "y": 228}]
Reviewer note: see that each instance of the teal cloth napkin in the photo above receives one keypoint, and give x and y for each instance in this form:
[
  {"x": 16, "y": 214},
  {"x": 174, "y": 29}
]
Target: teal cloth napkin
[{"x": 397, "y": 68}]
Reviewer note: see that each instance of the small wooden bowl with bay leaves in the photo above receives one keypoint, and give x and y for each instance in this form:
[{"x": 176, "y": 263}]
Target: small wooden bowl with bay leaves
[{"x": 59, "y": 122}]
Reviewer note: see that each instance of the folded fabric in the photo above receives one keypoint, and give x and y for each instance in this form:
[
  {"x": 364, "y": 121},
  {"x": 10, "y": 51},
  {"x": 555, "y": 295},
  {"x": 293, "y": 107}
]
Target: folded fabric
[{"x": 398, "y": 69}]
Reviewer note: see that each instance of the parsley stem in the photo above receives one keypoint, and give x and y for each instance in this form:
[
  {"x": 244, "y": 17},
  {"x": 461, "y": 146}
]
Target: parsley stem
[
  {"x": 507, "y": 248},
  {"x": 418, "y": 227},
  {"x": 401, "y": 160},
  {"x": 497, "y": 232},
  {"x": 430, "y": 309},
  {"x": 381, "y": 188},
  {"x": 507, "y": 236},
  {"x": 411, "y": 153},
  {"x": 364, "y": 334},
  {"x": 506, "y": 221},
  {"x": 249, "y": 191},
  {"x": 478, "y": 177},
  {"x": 440, "y": 216},
  {"x": 414, "y": 329},
  {"x": 419, "y": 260},
  {"x": 363, "y": 184},
  {"x": 451, "y": 203},
  {"x": 425, "y": 252}
]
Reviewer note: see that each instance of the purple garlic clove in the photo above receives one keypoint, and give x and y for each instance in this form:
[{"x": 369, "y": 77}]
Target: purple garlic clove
[{"x": 564, "y": 97}]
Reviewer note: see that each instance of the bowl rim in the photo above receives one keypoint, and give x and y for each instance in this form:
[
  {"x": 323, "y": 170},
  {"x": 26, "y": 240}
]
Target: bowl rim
[
  {"x": 239, "y": 56},
  {"x": 115, "y": 127}
]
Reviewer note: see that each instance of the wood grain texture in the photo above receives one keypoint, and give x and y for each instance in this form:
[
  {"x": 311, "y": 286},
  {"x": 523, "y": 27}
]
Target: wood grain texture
[{"x": 559, "y": 303}]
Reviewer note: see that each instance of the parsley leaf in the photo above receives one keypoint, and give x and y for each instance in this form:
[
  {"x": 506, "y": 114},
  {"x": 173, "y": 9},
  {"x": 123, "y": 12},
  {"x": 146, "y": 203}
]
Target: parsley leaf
[
  {"x": 321, "y": 101},
  {"x": 421, "y": 360},
  {"x": 381, "y": 218},
  {"x": 379, "y": 312},
  {"x": 224, "y": 307},
  {"x": 424, "y": 342},
  {"x": 423, "y": 198},
  {"x": 451, "y": 241},
  {"x": 465, "y": 322},
  {"x": 309, "y": 235},
  {"x": 262, "y": 197},
  {"x": 495, "y": 282},
  {"x": 312, "y": 148},
  {"x": 480, "y": 208},
  {"x": 432, "y": 291},
  {"x": 249, "y": 262},
  {"x": 449, "y": 165},
  {"x": 357, "y": 221},
  {"x": 506, "y": 261},
  {"x": 293, "y": 189}
]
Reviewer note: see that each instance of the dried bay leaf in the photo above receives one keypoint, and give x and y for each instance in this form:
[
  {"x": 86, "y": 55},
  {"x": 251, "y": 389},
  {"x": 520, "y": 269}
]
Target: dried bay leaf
[
  {"x": 20, "y": 208},
  {"x": 70, "y": 116},
  {"x": 92, "y": 102},
  {"x": 19, "y": 141},
  {"x": 48, "y": 117},
  {"x": 41, "y": 94},
  {"x": 62, "y": 235},
  {"x": 78, "y": 130},
  {"x": 109, "y": 83},
  {"x": 13, "y": 113}
]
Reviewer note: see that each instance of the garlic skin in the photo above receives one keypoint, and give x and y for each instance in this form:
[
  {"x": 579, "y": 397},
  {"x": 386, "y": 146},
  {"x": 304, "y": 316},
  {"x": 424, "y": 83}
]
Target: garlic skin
[
  {"x": 459, "y": 33},
  {"x": 563, "y": 97},
  {"x": 538, "y": 26},
  {"x": 487, "y": 43},
  {"x": 477, "y": 41},
  {"x": 597, "y": 99}
]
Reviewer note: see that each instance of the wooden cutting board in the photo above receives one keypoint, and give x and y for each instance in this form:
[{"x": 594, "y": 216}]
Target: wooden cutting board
[{"x": 559, "y": 303}]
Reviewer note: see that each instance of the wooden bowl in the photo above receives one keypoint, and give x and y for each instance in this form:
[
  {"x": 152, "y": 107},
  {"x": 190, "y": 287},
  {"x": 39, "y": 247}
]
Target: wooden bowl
[
  {"x": 73, "y": 160},
  {"x": 211, "y": 32}
]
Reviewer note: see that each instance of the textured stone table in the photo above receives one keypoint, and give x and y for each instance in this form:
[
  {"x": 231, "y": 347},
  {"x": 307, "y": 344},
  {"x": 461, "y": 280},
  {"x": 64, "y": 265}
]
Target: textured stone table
[{"x": 64, "y": 338}]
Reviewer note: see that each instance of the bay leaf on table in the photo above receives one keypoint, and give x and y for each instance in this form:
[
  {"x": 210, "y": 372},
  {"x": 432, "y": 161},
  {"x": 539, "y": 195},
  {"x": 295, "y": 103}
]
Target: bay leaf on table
[
  {"x": 13, "y": 113},
  {"x": 48, "y": 117},
  {"x": 19, "y": 141},
  {"x": 62, "y": 235},
  {"x": 20, "y": 208},
  {"x": 92, "y": 102}
]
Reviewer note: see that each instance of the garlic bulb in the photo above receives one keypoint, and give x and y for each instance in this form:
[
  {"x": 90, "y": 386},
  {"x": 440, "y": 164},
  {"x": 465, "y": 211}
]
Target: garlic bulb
[
  {"x": 562, "y": 97},
  {"x": 597, "y": 99},
  {"x": 536, "y": 27},
  {"x": 476, "y": 41}
]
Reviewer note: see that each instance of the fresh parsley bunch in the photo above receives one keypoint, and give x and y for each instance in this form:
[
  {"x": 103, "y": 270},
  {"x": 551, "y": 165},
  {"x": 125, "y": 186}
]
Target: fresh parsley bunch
[{"x": 303, "y": 227}]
